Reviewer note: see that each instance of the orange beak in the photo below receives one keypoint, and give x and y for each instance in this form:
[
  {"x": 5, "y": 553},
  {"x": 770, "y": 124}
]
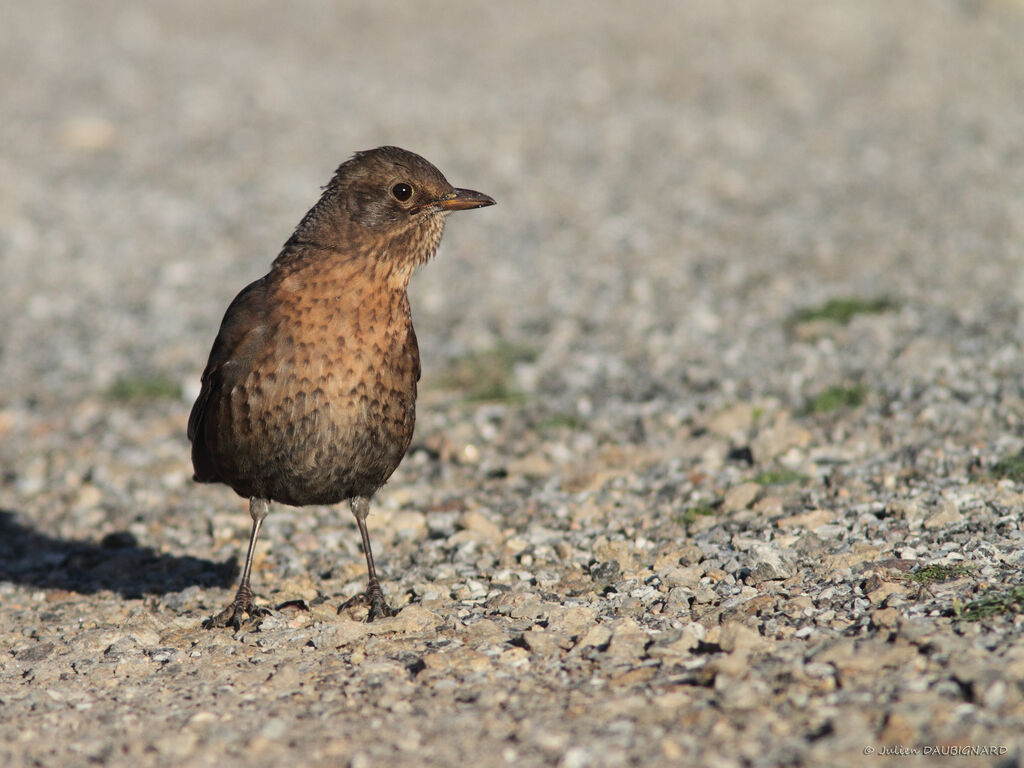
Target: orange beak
[{"x": 462, "y": 200}]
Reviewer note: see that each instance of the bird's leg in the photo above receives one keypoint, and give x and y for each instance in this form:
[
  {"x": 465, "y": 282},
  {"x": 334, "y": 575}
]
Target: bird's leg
[
  {"x": 242, "y": 604},
  {"x": 374, "y": 595}
]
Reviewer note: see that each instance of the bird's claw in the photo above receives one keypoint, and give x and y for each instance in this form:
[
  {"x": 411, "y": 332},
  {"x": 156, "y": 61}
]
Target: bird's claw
[
  {"x": 377, "y": 607},
  {"x": 232, "y": 615}
]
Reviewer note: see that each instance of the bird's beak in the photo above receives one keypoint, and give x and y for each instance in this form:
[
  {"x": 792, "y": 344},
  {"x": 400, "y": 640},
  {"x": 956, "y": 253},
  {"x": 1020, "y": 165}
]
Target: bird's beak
[{"x": 463, "y": 200}]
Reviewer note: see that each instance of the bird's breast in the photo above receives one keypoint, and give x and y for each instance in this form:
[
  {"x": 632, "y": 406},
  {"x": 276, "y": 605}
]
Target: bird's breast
[
  {"x": 332, "y": 393},
  {"x": 351, "y": 352}
]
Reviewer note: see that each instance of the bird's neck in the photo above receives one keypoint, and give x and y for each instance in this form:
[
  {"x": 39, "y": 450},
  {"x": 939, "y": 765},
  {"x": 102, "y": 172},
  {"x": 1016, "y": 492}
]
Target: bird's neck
[
  {"x": 322, "y": 228},
  {"x": 315, "y": 271},
  {"x": 391, "y": 258}
]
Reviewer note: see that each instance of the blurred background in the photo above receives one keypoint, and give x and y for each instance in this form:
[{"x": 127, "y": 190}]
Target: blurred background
[{"x": 674, "y": 181}]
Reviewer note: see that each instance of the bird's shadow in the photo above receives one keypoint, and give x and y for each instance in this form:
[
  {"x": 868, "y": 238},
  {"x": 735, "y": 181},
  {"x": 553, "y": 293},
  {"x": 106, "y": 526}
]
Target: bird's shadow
[{"x": 116, "y": 563}]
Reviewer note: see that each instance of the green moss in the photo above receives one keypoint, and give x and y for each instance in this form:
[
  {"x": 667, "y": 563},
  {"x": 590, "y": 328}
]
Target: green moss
[
  {"x": 995, "y": 604},
  {"x": 842, "y": 310},
  {"x": 488, "y": 375},
  {"x": 834, "y": 398},
  {"x": 779, "y": 477},
  {"x": 143, "y": 387},
  {"x": 691, "y": 514},
  {"x": 1010, "y": 467},
  {"x": 930, "y": 574},
  {"x": 561, "y": 421}
]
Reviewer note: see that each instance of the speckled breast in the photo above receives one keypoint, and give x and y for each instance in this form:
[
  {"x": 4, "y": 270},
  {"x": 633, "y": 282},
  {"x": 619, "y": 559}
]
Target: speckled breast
[{"x": 330, "y": 400}]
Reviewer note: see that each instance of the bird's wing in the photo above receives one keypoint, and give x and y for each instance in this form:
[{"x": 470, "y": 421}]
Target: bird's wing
[{"x": 243, "y": 327}]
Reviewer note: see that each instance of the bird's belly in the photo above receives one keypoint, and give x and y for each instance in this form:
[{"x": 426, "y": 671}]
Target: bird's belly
[
  {"x": 325, "y": 439},
  {"x": 337, "y": 451}
]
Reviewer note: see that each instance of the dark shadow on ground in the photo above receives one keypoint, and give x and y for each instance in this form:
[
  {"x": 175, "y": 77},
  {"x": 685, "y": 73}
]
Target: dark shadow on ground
[{"x": 116, "y": 563}]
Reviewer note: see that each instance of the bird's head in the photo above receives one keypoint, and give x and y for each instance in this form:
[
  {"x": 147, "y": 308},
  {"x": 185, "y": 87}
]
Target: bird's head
[
  {"x": 387, "y": 204},
  {"x": 392, "y": 189}
]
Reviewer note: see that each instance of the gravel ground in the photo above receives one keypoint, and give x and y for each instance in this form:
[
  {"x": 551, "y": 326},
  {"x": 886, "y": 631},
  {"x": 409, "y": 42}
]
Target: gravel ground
[{"x": 719, "y": 453}]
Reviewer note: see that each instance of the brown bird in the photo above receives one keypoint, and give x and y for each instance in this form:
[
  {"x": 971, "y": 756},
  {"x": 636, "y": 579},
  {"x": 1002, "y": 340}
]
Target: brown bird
[{"x": 309, "y": 394}]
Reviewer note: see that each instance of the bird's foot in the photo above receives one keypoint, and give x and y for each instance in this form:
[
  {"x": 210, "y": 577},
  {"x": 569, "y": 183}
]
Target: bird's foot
[
  {"x": 374, "y": 600},
  {"x": 379, "y": 609},
  {"x": 232, "y": 615}
]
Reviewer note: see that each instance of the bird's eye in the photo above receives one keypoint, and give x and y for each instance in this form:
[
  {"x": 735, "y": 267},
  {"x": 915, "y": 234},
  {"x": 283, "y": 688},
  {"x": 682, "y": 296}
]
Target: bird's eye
[{"x": 401, "y": 192}]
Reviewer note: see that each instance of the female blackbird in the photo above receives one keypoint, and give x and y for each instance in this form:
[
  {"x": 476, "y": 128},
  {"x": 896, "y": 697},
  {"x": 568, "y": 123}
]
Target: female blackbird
[{"x": 309, "y": 394}]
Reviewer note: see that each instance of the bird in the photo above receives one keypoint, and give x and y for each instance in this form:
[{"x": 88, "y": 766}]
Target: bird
[{"x": 309, "y": 393}]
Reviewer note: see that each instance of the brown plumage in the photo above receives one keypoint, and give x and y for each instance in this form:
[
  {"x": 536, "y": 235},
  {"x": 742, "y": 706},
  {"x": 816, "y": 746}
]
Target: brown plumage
[{"x": 309, "y": 395}]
